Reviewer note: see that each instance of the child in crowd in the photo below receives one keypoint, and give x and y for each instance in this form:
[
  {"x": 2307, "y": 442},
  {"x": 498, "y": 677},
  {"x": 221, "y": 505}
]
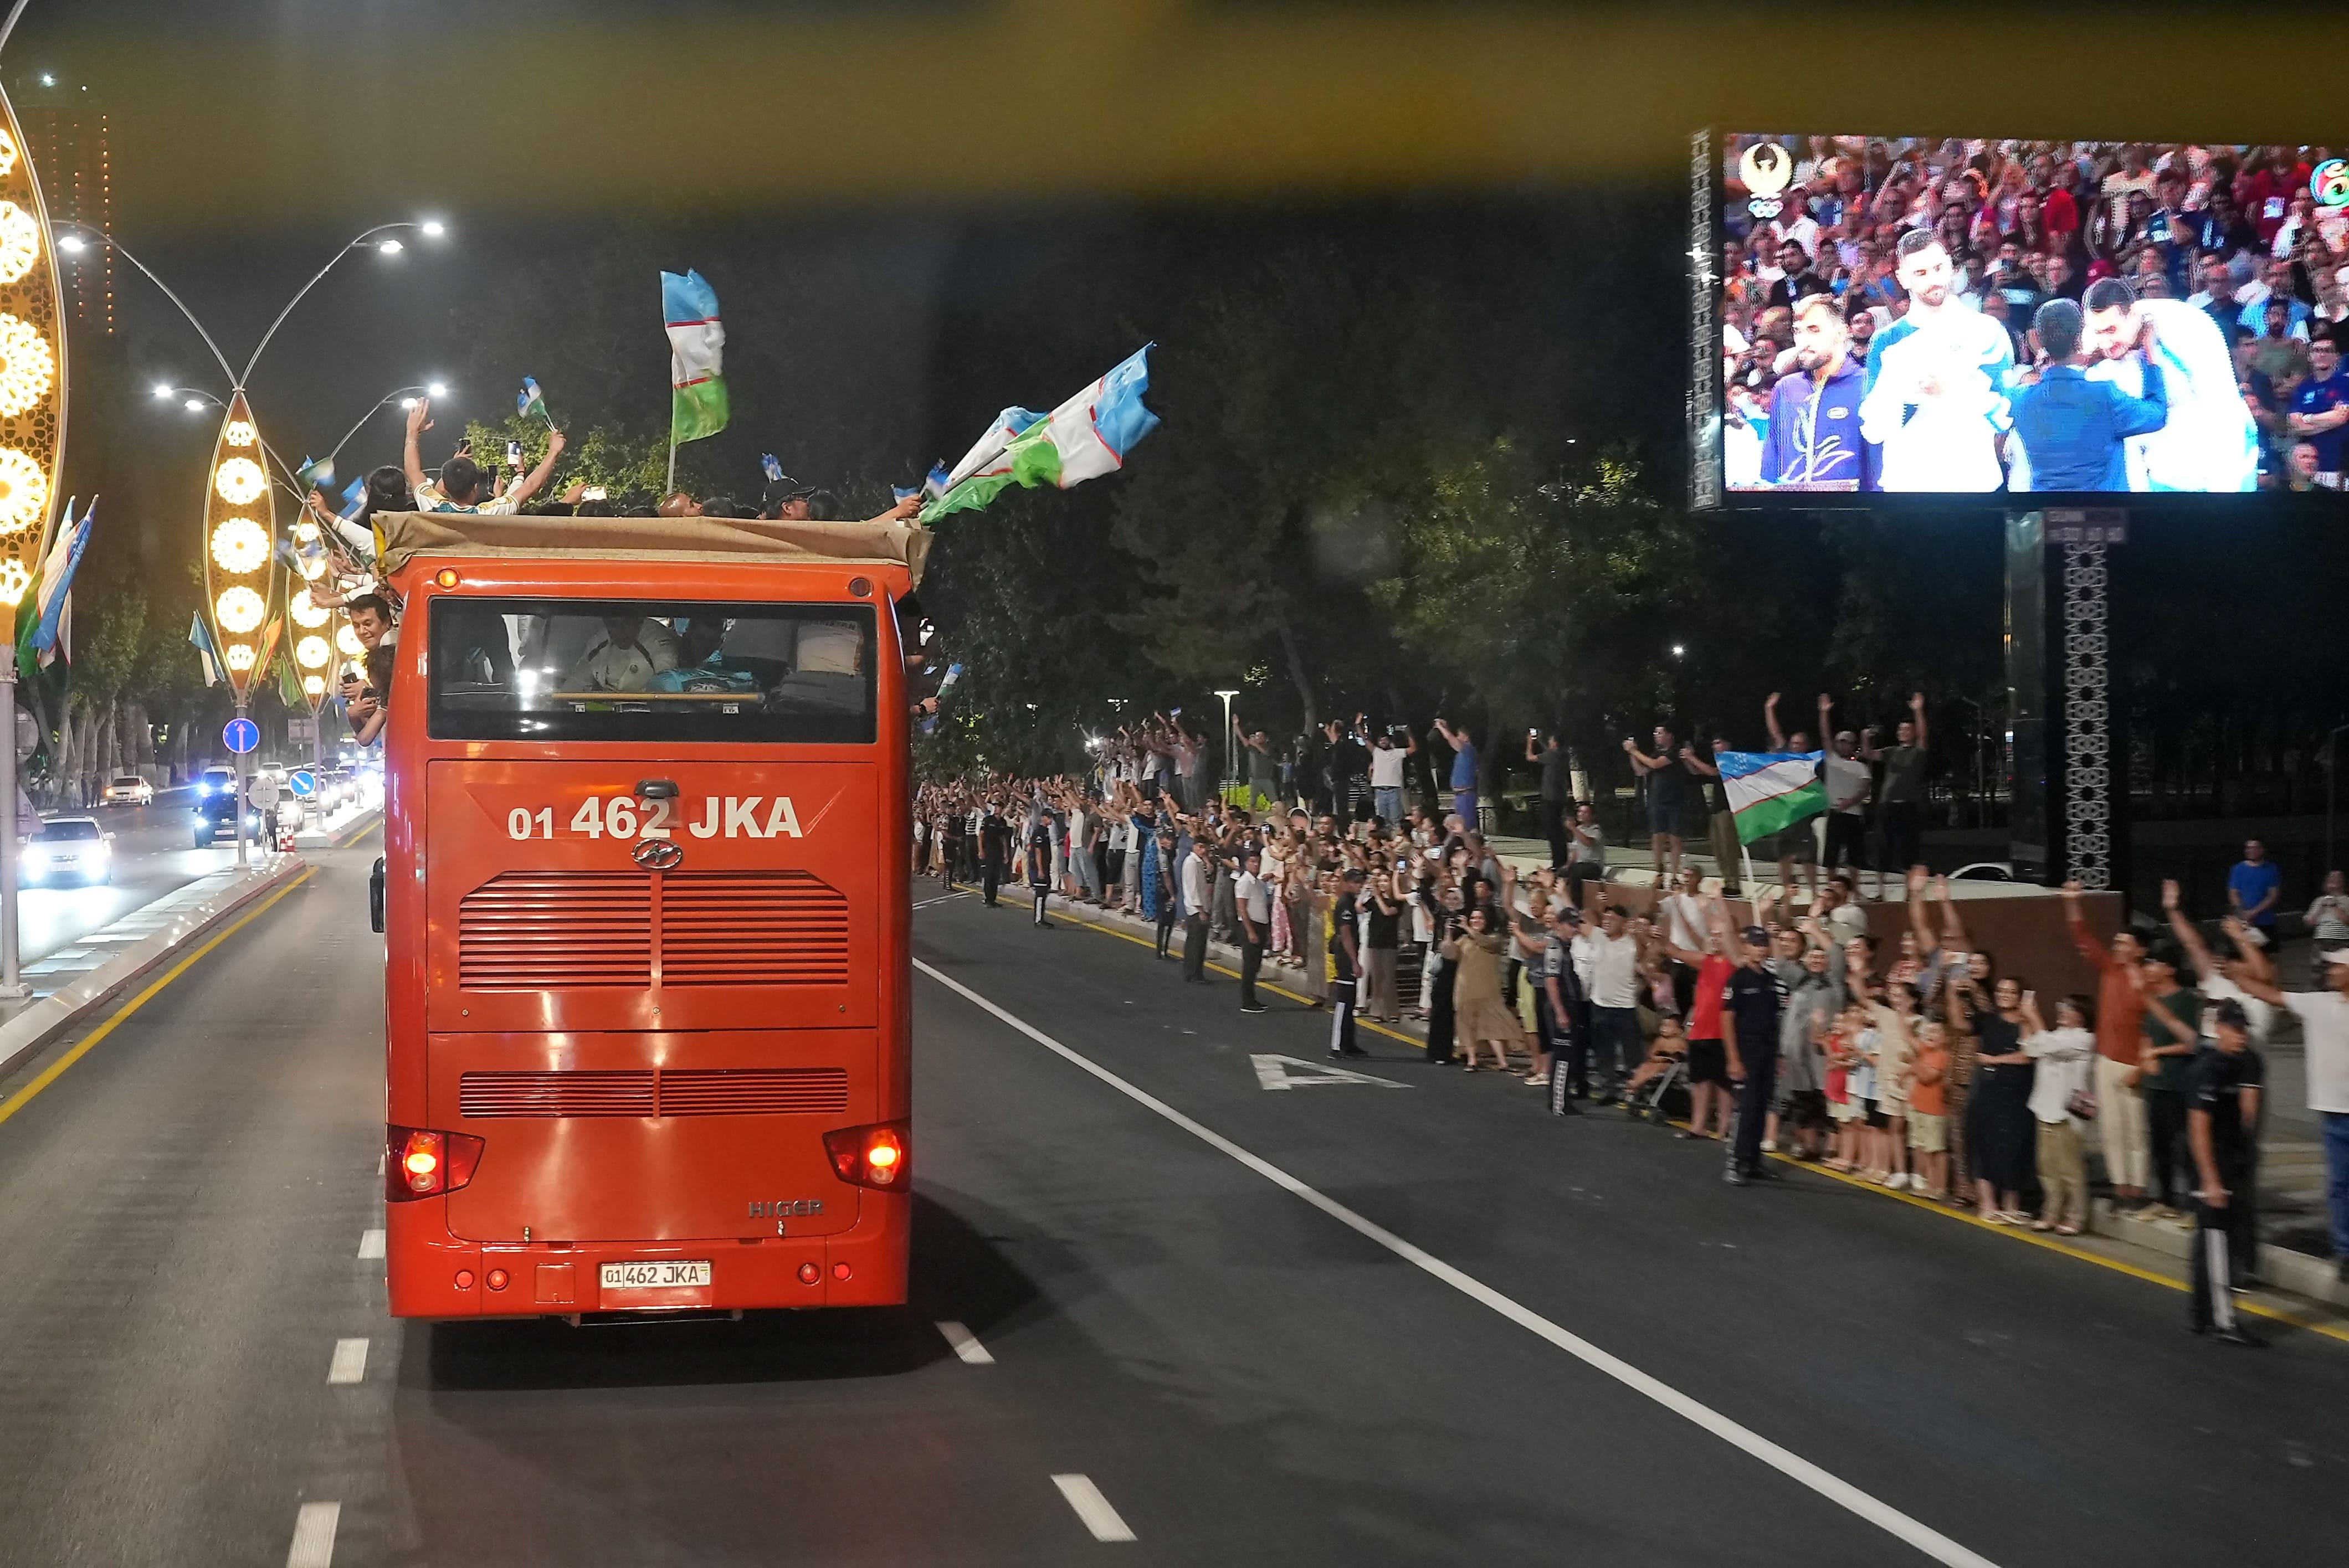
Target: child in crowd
[
  {"x": 1843, "y": 1111},
  {"x": 1671, "y": 1045},
  {"x": 1866, "y": 1154},
  {"x": 1929, "y": 1109}
]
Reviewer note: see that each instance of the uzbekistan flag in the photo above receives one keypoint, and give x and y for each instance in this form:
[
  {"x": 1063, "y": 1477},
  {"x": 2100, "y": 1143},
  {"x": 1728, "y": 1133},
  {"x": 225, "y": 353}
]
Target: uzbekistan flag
[
  {"x": 531, "y": 400},
  {"x": 1084, "y": 437},
  {"x": 53, "y": 597},
  {"x": 696, "y": 347},
  {"x": 1771, "y": 790}
]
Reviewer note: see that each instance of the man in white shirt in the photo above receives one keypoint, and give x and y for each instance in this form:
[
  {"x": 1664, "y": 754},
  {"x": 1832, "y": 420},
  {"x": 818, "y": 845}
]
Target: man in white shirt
[
  {"x": 1252, "y": 900},
  {"x": 1198, "y": 886},
  {"x": 1386, "y": 772},
  {"x": 1683, "y": 917},
  {"x": 464, "y": 482},
  {"x": 2324, "y": 1027},
  {"x": 1614, "y": 1001},
  {"x": 1937, "y": 383}
]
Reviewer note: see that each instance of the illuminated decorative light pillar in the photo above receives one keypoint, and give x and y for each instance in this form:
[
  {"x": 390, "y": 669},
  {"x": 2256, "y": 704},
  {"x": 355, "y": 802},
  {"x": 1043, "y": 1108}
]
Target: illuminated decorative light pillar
[
  {"x": 312, "y": 631},
  {"x": 240, "y": 545},
  {"x": 32, "y": 453}
]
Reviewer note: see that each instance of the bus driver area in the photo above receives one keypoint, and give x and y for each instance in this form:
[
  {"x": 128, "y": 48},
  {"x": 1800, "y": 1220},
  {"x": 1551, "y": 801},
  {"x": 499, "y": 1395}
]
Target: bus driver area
[{"x": 646, "y": 933}]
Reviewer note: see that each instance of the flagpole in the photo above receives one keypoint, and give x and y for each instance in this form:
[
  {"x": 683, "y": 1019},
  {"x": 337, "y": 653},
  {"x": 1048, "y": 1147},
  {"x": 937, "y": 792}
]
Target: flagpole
[
  {"x": 671, "y": 489},
  {"x": 244, "y": 804}
]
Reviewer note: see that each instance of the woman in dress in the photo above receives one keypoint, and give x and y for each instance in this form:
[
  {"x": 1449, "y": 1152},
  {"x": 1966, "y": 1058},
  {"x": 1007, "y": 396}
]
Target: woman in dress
[
  {"x": 2001, "y": 1132},
  {"x": 1473, "y": 955}
]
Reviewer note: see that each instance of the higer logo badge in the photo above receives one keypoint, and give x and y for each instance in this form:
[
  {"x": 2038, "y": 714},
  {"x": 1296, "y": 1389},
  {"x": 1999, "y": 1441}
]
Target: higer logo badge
[{"x": 658, "y": 854}]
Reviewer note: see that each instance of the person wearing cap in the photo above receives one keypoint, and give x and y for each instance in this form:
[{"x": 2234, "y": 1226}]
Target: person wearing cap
[
  {"x": 1756, "y": 1000},
  {"x": 2324, "y": 1028}
]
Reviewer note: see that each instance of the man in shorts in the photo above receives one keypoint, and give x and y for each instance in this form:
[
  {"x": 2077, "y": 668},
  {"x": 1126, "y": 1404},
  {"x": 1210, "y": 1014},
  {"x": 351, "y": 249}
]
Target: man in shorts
[
  {"x": 1708, "y": 1050},
  {"x": 1665, "y": 779}
]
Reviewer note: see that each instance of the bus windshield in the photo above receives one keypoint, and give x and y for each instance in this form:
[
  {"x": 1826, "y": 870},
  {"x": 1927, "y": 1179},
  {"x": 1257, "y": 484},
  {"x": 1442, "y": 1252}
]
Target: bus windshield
[{"x": 650, "y": 670}]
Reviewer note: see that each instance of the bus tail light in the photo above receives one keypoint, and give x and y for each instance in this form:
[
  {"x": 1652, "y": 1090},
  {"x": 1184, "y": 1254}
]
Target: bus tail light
[
  {"x": 421, "y": 1163},
  {"x": 877, "y": 1156}
]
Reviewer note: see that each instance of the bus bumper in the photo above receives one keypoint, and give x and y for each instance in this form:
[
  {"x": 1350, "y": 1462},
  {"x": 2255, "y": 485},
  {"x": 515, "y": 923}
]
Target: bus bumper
[{"x": 432, "y": 1274}]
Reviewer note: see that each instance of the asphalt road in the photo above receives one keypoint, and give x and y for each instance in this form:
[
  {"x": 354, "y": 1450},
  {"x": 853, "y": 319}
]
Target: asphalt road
[
  {"x": 1339, "y": 1324},
  {"x": 153, "y": 854}
]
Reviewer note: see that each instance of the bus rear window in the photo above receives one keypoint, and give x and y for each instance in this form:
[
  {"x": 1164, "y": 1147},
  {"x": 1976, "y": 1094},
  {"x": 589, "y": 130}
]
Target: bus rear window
[{"x": 651, "y": 670}]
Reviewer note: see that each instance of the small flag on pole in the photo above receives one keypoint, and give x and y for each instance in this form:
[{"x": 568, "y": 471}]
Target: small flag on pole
[
  {"x": 200, "y": 638},
  {"x": 352, "y": 495},
  {"x": 937, "y": 481},
  {"x": 317, "y": 476},
  {"x": 1770, "y": 791},
  {"x": 772, "y": 468},
  {"x": 696, "y": 344},
  {"x": 904, "y": 492},
  {"x": 531, "y": 400},
  {"x": 55, "y": 590}
]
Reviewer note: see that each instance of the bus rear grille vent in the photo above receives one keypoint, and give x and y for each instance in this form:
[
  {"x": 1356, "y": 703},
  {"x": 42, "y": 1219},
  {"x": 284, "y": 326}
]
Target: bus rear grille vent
[
  {"x": 751, "y": 928},
  {"x": 682, "y": 1091},
  {"x": 545, "y": 930}
]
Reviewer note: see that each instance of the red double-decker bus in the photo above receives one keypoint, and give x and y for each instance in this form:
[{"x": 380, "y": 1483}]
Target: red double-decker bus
[{"x": 647, "y": 979}]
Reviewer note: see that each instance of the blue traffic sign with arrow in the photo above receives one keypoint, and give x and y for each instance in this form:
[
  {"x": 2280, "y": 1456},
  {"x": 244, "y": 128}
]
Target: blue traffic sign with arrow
[{"x": 241, "y": 736}]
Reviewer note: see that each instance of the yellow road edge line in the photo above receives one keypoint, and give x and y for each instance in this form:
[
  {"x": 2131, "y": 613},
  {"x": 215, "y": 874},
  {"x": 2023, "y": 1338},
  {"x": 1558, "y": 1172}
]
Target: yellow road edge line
[
  {"x": 2007, "y": 1233},
  {"x": 55, "y": 1070}
]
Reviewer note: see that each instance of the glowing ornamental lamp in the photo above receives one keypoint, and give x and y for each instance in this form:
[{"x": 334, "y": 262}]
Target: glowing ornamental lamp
[
  {"x": 346, "y": 642},
  {"x": 308, "y": 614},
  {"x": 240, "y": 534},
  {"x": 32, "y": 368},
  {"x": 312, "y": 652}
]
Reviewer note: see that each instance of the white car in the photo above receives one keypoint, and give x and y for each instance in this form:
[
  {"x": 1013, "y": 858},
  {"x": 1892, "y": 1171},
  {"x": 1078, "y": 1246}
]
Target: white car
[
  {"x": 129, "y": 789},
  {"x": 68, "y": 851}
]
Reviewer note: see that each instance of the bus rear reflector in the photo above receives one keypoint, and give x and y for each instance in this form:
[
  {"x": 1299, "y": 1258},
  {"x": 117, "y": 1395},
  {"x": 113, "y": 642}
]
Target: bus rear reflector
[
  {"x": 421, "y": 1163},
  {"x": 875, "y": 1156}
]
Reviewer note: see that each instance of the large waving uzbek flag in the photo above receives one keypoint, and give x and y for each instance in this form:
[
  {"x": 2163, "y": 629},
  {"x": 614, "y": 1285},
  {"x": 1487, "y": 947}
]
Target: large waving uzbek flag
[
  {"x": 1084, "y": 437},
  {"x": 697, "y": 348},
  {"x": 1768, "y": 791}
]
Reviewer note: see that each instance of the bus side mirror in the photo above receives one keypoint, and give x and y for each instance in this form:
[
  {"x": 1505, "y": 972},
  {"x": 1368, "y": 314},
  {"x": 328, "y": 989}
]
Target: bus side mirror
[{"x": 374, "y": 896}]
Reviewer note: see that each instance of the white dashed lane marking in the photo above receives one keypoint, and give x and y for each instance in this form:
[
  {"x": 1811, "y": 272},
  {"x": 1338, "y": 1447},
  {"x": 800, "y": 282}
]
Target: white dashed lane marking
[
  {"x": 350, "y": 1365},
  {"x": 966, "y": 1344},
  {"x": 313, "y": 1535},
  {"x": 1093, "y": 1508},
  {"x": 370, "y": 1243},
  {"x": 1791, "y": 1465}
]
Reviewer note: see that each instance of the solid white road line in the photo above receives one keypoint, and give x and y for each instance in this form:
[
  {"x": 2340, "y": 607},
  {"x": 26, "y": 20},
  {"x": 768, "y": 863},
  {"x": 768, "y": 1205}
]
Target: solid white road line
[
  {"x": 1835, "y": 1489},
  {"x": 313, "y": 1535},
  {"x": 949, "y": 898},
  {"x": 966, "y": 1344},
  {"x": 370, "y": 1243},
  {"x": 350, "y": 1365},
  {"x": 1093, "y": 1508}
]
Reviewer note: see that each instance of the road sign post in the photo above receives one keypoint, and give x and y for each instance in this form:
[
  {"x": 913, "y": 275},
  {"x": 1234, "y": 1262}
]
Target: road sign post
[{"x": 241, "y": 736}]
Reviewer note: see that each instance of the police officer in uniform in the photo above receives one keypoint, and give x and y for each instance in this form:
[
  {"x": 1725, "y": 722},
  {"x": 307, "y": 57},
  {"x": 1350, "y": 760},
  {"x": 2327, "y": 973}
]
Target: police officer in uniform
[
  {"x": 994, "y": 852},
  {"x": 1756, "y": 998},
  {"x": 1039, "y": 863},
  {"x": 1344, "y": 933},
  {"x": 2222, "y": 1121}
]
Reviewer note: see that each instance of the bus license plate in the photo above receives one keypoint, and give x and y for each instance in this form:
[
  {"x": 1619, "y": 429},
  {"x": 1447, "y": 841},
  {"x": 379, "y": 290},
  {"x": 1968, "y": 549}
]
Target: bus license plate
[{"x": 669, "y": 1273}]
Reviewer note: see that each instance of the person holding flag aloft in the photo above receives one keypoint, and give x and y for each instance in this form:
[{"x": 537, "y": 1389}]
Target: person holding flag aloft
[{"x": 463, "y": 484}]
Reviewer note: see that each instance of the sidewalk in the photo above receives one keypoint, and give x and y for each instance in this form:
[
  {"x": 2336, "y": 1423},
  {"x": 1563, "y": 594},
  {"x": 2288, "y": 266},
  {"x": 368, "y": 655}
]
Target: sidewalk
[{"x": 2307, "y": 1294}]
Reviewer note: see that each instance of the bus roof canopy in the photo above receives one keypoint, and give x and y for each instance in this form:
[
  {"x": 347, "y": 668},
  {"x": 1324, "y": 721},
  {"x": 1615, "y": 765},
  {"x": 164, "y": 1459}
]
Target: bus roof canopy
[{"x": 400, "y": 537}]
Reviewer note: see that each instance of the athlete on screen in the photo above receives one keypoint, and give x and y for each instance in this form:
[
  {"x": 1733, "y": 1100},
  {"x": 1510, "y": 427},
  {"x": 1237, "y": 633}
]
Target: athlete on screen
[
  {"x": 1938, "y": 380},
  {"x": 1814, "y": 440},
  {"x": 2209, "y": 443}
]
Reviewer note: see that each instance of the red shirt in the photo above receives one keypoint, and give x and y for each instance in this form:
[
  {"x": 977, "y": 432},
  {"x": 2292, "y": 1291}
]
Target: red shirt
[
  {"x": 2059, "y": 212},
  {"x": 1704, "y": 1008},
  {"x": 2120, "y": 1006}
]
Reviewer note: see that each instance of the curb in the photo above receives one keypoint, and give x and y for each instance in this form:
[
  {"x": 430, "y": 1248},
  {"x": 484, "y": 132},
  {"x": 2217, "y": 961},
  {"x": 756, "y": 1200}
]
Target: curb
[
  {"x": 60, "y": 1010},
  {"x": 352, "y": 831},
  {"x": 2298, "y": 1273}
]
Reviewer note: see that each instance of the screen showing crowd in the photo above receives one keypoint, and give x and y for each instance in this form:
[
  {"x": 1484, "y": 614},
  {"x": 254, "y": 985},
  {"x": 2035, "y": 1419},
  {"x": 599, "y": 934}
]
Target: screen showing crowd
[{"x": 1939, "y": 316}]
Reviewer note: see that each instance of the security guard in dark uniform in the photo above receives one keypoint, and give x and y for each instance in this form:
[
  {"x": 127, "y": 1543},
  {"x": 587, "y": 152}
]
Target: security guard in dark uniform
[
  {"x": 2222, "y": 1124},
  {"x": 994, "y": 852},
  {"x": 1756, "y": 998}
]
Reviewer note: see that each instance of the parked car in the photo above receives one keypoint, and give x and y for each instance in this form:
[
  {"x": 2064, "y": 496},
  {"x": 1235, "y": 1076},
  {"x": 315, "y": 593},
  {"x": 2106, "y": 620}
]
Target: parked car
[
  {"x": 68, "y": 851},
  {"x": 128, "y": 789}
]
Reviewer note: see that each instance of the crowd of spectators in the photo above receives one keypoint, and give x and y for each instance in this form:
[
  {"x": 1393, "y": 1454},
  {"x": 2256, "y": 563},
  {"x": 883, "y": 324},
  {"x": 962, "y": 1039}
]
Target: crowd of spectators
[
  {"x": 2235, "y": 232},
  {"x": 1928, "y": 1065}
]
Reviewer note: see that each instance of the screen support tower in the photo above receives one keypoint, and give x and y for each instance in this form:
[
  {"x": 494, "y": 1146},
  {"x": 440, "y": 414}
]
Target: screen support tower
[{"x": 2066, "y": 723}]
